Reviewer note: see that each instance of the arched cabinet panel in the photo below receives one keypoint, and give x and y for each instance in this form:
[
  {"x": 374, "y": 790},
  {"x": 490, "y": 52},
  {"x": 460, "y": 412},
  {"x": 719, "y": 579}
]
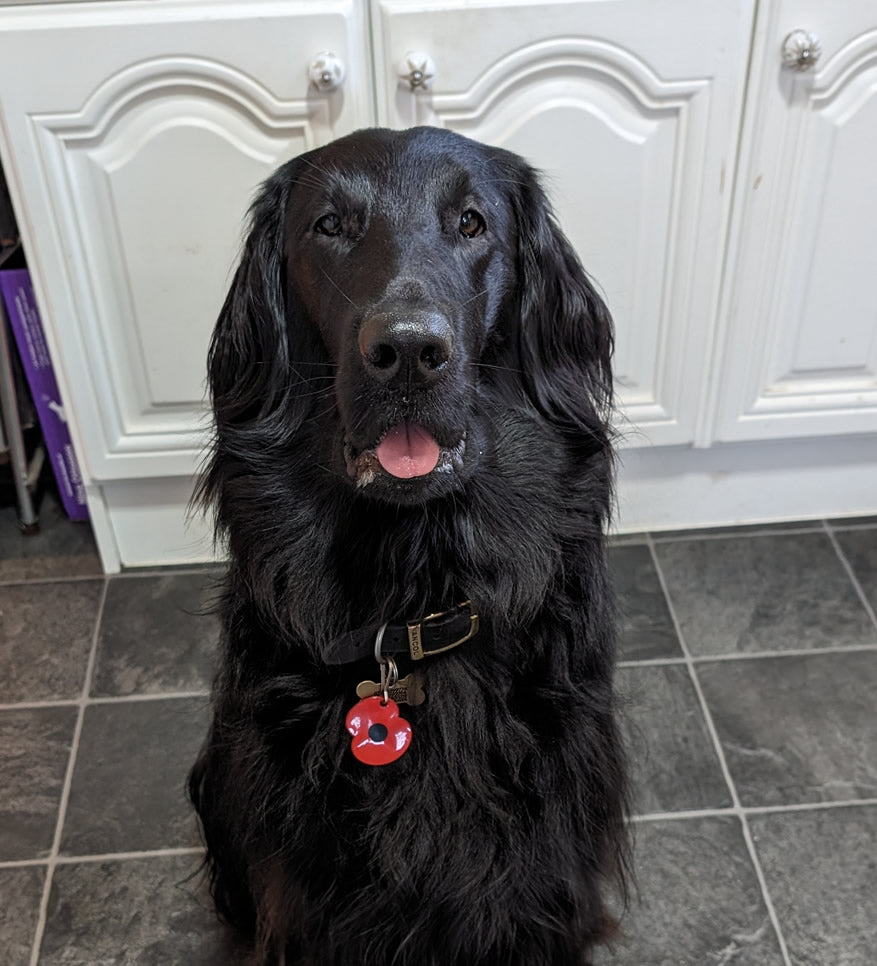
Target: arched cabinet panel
[
  {"x": 150, "y": 180},
  {"x": 635, "y": 147},
  {"x": 801, "y": 344}
]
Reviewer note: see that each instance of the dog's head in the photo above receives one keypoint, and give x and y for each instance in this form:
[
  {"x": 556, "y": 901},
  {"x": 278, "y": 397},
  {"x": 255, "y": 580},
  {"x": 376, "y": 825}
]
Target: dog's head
[{"x": 390, "y": 282}]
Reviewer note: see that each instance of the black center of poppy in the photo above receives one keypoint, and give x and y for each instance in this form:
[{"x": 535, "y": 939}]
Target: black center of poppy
[{"x": 378, "y": 732}]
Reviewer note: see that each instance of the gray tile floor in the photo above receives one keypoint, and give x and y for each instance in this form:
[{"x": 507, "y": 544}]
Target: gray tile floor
[{"x": 749, "y": 679}]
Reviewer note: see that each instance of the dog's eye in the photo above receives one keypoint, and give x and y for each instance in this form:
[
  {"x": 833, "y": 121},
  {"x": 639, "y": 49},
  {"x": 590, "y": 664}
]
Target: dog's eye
[
  {"x": 472, "y": 224},
  {"x": 328, "y": 225}
]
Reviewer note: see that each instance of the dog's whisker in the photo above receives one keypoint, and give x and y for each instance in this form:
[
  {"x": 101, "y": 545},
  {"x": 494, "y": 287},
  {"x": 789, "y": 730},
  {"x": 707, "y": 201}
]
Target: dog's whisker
[
  {"x": 361, "y": 418},
  {"x": 514, "y": 181},
  {"x": 301, "y": 362},
  {"x": 303, "y": 159},
  {"x": 307, "y": 183},
  {"x": 476, "y": 296},
  {"x": 337, "y": 287},
  {"x": 323, "y": 413},
  {"x": 318, "y": 393},
  {"x": 489, "y": 365}
]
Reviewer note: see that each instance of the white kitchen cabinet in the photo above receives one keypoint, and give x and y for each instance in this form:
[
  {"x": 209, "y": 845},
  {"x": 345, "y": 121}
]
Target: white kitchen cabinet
[
  {"x": 135, "y": 156},
  {"x": 135, "y": 132},
  {"x": 800, "y": 356},
  {"x": 134, "y": 136},
  {"x": 632, "y": 111}
]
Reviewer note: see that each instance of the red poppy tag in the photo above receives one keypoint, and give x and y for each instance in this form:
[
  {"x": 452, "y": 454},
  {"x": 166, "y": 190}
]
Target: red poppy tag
[{"x": 380, "y": 736}]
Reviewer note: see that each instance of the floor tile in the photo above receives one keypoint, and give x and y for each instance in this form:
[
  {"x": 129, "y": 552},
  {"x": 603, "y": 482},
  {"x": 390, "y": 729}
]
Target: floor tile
[
  {"x": 674, "y": 763},
  {"x": 797, "y": 729},
  {"x": 21, "y": 892},
  {"x": 156, "y": 635},
  {"x": 140, "y": 912},
  {"x": 698, "y": 903},
  {"x": 128, "y": 784},
  {"x": 821, "y": 872},
  {"x": 60, "y": 549},
  {"x": 46, "y": 631},
  {"x": 644, "y": 623},
  {"x": 739, "y": 595},
  {"x": 860, "y": 549},
  {"x": 34, "y": 754}
]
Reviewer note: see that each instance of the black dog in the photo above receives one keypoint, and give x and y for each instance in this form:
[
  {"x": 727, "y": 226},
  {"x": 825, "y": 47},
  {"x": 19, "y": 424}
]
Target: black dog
[{"x": 411, "y": 384}]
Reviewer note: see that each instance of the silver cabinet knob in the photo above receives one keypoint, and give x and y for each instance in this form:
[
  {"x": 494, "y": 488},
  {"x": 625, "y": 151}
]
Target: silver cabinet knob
[
  {"x": 417, "y": 70},
  {"x": 326, "y": 71},
  {"x": 801, "y": 50}
]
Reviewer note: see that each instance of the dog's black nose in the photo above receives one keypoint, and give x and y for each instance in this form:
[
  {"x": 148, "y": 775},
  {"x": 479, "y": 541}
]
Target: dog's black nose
[{"x": 406, "y": 348}]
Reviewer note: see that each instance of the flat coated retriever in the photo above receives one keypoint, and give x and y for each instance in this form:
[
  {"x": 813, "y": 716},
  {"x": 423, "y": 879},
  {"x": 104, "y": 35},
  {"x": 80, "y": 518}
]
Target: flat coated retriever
[{"x": 412, "y": 465}]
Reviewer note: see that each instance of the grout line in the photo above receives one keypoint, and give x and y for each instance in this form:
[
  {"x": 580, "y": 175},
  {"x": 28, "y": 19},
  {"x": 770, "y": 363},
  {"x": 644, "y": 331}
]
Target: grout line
[
  {"x": 633, "y": 663},
  {"x": 107, "y": 857},
  {"x": 748, "y": 656},
  {"x": 808, "y": 806},
  {"x": 816, "y": 526},
  {"x": 644, "y": 663},
  {"x": 653, "y": 662},
  {"x": 208, "y": 570},
  {"x": 640, "y": 538},
  {"x": 843, "y": 527},
  {"x": 31, "y": 705},
  {"x": 68, "y": 782},
  {"x": 851, "y": 574},
  {"x": 108, "y": 699},
  {"x": 750, "y": 810},
  {"x": 127, "y": 856},
  {"x": 71, "y": 579},
  {"x": 791, "y": 652},
  {"x": 157, "y": 696},
  {"x": 22, "y": 863},
  {"x": 735, "y": 798},
  {"x": 682, "y": 815}
]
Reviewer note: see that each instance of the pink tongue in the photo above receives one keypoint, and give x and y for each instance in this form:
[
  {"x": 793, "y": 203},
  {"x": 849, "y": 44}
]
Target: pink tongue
[{"x": 408, "y": 450}]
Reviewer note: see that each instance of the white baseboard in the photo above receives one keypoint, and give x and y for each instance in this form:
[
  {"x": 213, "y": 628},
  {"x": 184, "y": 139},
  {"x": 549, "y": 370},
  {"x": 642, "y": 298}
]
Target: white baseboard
[
  {"x": 146, "y": 523},
  {"x": 677, "y": 488}
]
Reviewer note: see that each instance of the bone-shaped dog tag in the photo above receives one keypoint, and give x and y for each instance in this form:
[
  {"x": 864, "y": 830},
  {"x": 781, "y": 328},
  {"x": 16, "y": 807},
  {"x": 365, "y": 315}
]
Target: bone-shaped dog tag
[{"x": 407, "y": 690}]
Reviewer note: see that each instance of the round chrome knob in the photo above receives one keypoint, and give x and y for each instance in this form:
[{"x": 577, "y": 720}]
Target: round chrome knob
[
  {"x": 801, "y": 50},
  {"x": 326, "y": 72},
  {"x": 417, "y": 70}
]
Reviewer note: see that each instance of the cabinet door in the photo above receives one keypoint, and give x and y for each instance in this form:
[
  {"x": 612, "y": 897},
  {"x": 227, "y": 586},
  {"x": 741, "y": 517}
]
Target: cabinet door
[
  {"x": 801, "y": 346},
  {"x": 631, "y": 109},
  {"x": 135, "y": 137}
]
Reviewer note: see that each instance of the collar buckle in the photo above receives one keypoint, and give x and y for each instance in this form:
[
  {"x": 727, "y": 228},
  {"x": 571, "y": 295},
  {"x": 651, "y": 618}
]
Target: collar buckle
[{"x": 443, "y": 620}]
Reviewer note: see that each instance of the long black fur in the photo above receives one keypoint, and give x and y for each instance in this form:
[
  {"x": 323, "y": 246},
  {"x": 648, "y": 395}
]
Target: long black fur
[{"x": 496, "y": 836}]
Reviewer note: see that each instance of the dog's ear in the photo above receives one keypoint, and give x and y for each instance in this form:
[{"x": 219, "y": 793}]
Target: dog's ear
[
  {"x": 566, "y": 332},
  {"x": 248, "y": 361}
]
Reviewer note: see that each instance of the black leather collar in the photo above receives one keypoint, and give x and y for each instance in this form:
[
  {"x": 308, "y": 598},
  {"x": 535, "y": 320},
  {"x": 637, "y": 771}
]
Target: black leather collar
[{"x": 433, "y": 634}]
